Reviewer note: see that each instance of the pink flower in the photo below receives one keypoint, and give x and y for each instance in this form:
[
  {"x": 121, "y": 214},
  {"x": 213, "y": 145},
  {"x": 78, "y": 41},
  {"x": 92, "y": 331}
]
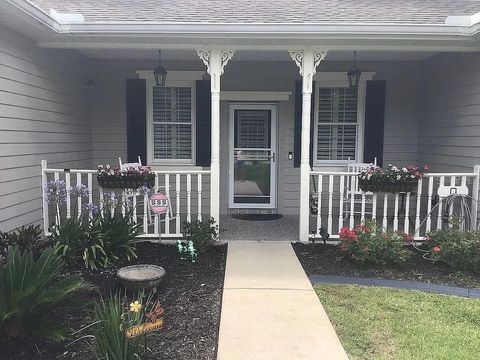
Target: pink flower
[
  {"x": 437, "y": 249},
  {"x": 426, "y": 167}
]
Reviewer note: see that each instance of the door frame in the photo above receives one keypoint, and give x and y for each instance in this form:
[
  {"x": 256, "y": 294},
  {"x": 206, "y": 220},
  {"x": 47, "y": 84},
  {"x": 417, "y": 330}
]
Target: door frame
[{"x": 273, "y": 107}]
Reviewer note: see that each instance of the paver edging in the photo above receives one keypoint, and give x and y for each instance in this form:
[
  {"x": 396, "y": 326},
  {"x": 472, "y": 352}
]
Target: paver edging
[{"x": 397, "y": 284}]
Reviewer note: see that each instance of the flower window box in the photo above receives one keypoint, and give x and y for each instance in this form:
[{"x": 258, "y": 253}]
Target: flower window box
[
  {"x": 130, "y": 178},
  {"x": 391, "y": 179}
]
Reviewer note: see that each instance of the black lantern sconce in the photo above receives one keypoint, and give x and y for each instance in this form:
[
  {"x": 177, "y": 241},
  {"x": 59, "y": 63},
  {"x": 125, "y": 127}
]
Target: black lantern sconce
[
  {"x": 160, "y": 73},
  {"x": 354, "y": 73}
]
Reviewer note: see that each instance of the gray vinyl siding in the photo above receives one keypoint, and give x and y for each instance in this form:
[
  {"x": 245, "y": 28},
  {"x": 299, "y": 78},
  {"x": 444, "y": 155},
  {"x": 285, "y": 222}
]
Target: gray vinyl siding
[
  {"x": 44, "y": 114},
  {"x": 449, "y": 130}
]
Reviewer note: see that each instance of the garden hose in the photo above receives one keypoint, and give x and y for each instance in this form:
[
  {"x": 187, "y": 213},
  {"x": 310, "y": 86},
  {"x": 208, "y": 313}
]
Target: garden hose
[{"x": 449, "y": 200}]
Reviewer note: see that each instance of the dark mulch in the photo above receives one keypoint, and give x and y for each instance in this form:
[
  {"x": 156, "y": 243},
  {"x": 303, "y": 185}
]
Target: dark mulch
[
  {"x": 191, "y": 295},
  {"x": 320, "y": 259}
]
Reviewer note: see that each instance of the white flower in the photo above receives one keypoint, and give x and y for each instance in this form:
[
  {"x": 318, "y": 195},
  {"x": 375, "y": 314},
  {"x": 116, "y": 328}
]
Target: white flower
[
  {"x": 404, "y": 169},
  {"x": 398, "y": 177},
  {"x": 369, "y": 176}
]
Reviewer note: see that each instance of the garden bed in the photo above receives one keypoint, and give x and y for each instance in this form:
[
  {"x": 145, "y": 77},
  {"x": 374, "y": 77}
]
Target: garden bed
[
  {"x": 320, "y": 259},
  {"x": 191, "y": 295}
]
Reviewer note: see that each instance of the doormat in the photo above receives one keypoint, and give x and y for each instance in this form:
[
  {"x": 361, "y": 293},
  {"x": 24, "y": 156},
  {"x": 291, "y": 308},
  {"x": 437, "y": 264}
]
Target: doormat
[{"x": 257, "y": 217}]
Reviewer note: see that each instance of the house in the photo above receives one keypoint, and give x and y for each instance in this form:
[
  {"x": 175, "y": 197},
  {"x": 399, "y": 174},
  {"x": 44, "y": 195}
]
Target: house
[{"x": 256, "y": 100}]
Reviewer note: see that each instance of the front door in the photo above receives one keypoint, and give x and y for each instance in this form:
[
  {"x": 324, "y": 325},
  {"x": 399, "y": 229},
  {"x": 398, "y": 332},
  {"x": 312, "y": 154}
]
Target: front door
[{"x": 252, "y": 155}]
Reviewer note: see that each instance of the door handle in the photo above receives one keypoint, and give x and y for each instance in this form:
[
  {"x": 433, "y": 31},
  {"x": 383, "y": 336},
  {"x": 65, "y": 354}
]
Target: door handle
[{"x": 272, "y": 157}]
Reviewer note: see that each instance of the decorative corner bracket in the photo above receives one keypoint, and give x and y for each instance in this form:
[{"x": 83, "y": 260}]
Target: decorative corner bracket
[
  {"x": 307, "y": 62},
  {"x": 208, "y": 57}
]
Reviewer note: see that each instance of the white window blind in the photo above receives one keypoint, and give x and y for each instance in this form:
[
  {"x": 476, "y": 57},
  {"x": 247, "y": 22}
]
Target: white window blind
[
  {"x": 252, "y": 129},
  {"x": 172, "y": 123},
  {"x": 337, "y": 123}
]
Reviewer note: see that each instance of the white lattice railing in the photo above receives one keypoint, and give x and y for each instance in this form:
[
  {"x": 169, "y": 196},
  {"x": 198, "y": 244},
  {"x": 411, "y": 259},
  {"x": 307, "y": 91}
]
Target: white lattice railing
[
  {"x": 413, "y": 213},
  {"x": 187, "y": 190}
]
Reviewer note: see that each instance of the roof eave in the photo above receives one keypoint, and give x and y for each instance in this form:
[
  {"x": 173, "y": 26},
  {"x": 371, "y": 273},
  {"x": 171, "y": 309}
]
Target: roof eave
[{"x": 252, "y": 30}]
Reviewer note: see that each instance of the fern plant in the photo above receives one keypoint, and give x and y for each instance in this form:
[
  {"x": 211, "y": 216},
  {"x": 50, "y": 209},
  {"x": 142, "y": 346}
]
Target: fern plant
[{"x": 29, "y": 293}]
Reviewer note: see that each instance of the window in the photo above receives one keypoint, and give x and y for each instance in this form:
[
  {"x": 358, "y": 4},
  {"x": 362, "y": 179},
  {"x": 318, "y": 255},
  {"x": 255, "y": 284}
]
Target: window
[
  {"x": 172, "y": 123},
  {"x": 337, "y": 125},
  {"x": 171, "y": 118}
]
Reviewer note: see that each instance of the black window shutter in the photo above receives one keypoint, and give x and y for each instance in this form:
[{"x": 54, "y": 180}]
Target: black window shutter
[
  {"x": 374, "y": 121},
  {"x": 136, "y": 120},
  {"x": 204, "y": 123},
  {"x": 297, "y": 134}
]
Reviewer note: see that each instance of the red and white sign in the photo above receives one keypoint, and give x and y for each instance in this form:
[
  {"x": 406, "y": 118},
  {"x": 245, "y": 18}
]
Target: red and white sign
[{"x": 158, "y": 203}]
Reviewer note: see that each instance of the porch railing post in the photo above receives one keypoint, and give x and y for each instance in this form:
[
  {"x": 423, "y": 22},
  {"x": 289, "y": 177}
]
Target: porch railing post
[
  {"x": 307, "y": 61},
  {"x": 44, "y": 200},
  {"x": 215, "y": 61},
  {"x": 475, "y": 189}
]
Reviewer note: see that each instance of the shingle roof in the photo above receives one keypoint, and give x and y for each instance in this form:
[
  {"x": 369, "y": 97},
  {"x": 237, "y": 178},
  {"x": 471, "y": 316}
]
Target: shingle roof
[{"x": 266, "y": 11}]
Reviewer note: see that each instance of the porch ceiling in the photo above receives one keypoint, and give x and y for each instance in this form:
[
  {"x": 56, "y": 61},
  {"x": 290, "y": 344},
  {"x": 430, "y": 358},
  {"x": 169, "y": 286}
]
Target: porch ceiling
[{"x": 251, "y": 55}]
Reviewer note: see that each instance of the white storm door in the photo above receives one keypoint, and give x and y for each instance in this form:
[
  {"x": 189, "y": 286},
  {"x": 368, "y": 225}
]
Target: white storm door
[{"x": 253, "y": 163}]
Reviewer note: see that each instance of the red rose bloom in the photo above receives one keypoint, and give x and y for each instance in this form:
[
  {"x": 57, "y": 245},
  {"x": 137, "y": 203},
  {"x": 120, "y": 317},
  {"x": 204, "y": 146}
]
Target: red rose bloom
[{"x": 437, "y": 249}]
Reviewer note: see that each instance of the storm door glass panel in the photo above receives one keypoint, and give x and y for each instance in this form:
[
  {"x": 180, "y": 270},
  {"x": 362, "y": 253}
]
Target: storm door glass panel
[
  {"x": 252, "y": 157},
  {"x": 172, "y": 123},
  {"x": 337, "y": 124}
]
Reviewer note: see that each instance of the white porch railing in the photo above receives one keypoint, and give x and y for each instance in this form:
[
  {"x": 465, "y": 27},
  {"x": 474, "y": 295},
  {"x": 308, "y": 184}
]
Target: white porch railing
[
  {"x": 187, "y": 190},
  {"x": 413, "y": 213}
]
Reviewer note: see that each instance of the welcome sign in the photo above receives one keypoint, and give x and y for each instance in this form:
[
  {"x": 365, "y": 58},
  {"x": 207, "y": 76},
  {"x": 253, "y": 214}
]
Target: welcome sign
[{"x": 144, "y": 328}]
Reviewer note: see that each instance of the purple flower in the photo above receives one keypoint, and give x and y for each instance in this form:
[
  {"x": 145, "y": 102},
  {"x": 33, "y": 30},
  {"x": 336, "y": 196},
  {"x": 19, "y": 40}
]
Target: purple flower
[
  {"x": 55, "y": 191},
  {"x": 79, "y": 191},
  {"x": 91, "y": 208},
  {"x": 145, "y": 190},
  {"x": 110, "y": 199}
]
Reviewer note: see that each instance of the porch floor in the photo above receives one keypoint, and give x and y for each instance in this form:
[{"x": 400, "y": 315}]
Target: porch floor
[
  {"x": 284, "y": 229},
  {"x": 269, "y": 308}
]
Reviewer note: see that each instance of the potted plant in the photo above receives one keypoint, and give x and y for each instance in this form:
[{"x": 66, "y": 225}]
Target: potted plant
[
  {"x": 129, "y": 178},
  {"x": 391, "y": 179}
]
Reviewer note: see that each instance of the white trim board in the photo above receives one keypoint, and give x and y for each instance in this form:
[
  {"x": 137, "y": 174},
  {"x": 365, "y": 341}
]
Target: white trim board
[
  {"x": 255, "y": 95},
  {"x": 172, "y": 76}
]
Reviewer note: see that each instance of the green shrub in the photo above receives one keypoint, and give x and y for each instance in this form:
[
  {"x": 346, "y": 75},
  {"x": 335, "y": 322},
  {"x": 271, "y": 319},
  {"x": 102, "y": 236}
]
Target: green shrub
[
  {"x": 98, "y": 242},
  {"x": 369, "y": 244},
  {"x": 72, "y": 238},
  {"x": 29, "y": 293},
  {"x": 25, "y": 237},
  {"x": 115, "y": 236},
  {"x": 112, "y": 317},
  {"x": 203, "y": 234},
  {"x": 460, "y": 249}
]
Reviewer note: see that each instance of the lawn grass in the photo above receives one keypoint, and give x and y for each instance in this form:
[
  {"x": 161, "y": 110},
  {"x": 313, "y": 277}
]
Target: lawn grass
[{"x": 381, "y": 323}]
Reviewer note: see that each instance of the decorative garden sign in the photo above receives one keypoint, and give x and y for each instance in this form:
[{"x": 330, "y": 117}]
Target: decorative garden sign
[
  {"x": 155, "y": 323},
  {"x": 159, "y": 203}
]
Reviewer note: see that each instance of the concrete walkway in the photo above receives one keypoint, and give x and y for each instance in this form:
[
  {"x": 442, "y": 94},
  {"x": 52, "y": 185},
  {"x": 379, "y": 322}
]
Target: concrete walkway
[{"x": 270, "y": 310}]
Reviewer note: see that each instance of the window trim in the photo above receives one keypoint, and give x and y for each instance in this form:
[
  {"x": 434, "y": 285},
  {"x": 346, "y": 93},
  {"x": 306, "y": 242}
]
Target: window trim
[
  {"x": 339, "y": 79},
  {"x": 174, "y": 79}
]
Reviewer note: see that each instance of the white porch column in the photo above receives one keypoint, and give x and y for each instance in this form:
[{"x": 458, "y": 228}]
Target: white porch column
[
  {"x": 215, "y": 60},
  {"x": 307, "y": 61}
]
